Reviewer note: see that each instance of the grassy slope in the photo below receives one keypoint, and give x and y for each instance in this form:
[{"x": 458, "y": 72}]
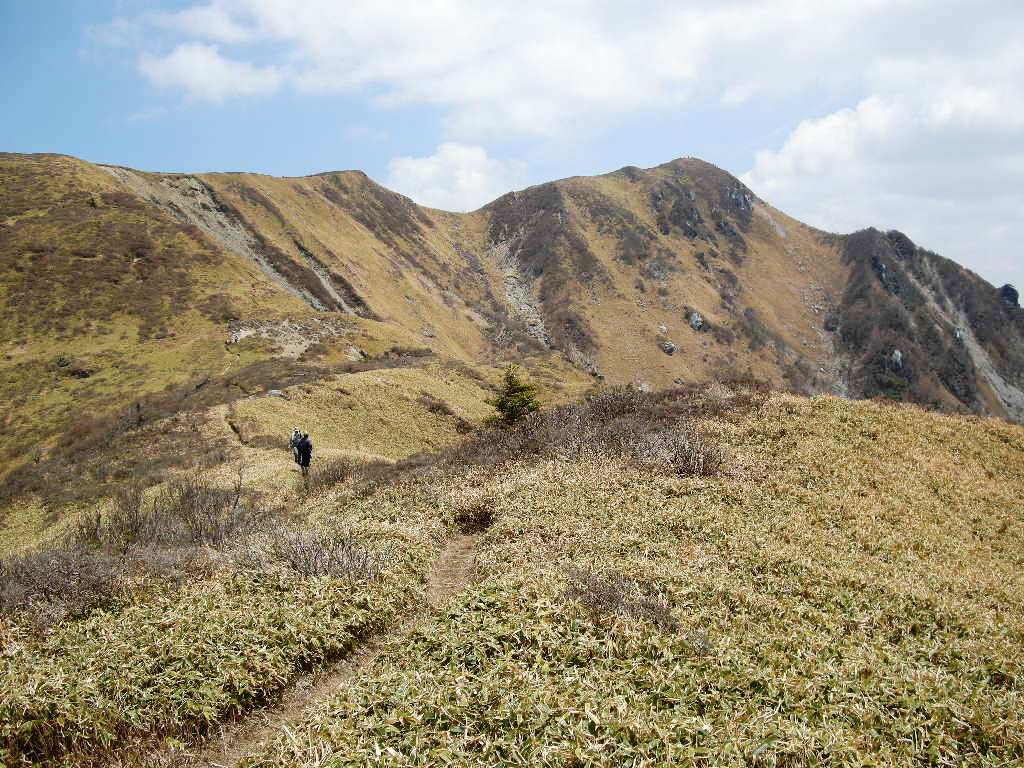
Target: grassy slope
[
  {"x": 120, "y": 291},
  {"x": 429, "y": 269},
  {"x": 108, "y": 298},
  {"x": 398, "y": 257},
  {"x": 173, "y": 662},
  {"x": 639, "y": 284},
  {"x": 387, "y": 413},
  {"x": 848, "y": 593},
  {"x": 132, "y": 300}
]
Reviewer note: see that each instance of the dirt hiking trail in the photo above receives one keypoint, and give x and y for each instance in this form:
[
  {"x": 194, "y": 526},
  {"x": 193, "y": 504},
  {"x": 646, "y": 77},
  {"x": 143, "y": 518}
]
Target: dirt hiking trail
[{"x": 450, "y": 573}]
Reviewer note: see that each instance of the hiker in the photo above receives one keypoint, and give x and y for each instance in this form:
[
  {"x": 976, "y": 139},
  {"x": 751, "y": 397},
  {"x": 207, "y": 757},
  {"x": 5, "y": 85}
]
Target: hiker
[{"x": 302, "y": 450}]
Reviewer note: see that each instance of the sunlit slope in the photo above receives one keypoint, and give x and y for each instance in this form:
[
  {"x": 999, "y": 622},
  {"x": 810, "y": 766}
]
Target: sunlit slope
[
  {"x": 848, "y": 592},
  {"x": 676, "y": 272},
  {"x": 105, "y": 299},
  {"x": 383, "y": 413},
  {"x": 609, "y": 271},
  {"x": 402, "y": 263},
  {"x": 116, "y": 283}
]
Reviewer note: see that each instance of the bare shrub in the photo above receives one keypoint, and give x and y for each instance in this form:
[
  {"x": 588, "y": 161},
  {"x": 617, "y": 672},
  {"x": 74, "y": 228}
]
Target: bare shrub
[
  {"x": 206, "y": 515},
  {"x": 435, "y": 404},
  {"x": 613, "y": 422},
  {"x": 184, "y": 511},
  {"x": 328, "y": 473},
  {"x": 684, "y": 453},
  {"x": 651, "y": 429},
  {"x": 167, "y": 536},
  {"x": 128, "y": 523},
  {"x": 610, "y": 595},
  {"x": 53, "y": 585},
  {"x": 311, "y": 552},
  {"x": 86, "y": 529}
]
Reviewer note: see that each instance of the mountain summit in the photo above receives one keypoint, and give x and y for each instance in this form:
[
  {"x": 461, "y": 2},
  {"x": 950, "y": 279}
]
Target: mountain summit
[{"x": 118, "y": 283}]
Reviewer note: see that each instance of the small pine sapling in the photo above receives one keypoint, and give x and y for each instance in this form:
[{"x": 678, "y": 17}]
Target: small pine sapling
[{"x": 516, "y": 399}]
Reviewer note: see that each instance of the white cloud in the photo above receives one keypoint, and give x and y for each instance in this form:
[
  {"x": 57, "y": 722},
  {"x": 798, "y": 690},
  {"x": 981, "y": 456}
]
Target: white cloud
[
  {"x": 456, "y": 177},
  {"x": 546, "y": 67},
  {"x": 542, "y": 68},
  {"x": 209, "y": 22},
  {"x": 206, "y": 75},
  {"x": 929, "y": 141},
  {"x": 937, "y": 152}
]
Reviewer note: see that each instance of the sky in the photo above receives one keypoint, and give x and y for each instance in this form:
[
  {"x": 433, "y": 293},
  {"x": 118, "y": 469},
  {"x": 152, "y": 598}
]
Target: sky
[{"x": 905, "y": 114}]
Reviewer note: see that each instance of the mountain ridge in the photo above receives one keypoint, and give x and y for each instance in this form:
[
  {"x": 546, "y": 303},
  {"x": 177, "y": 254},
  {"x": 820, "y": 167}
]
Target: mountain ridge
[{"x": 118, "y": 284}]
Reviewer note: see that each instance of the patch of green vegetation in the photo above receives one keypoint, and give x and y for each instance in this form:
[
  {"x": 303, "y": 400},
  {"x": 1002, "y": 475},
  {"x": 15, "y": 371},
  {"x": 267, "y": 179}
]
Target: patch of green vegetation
[{"x": 515, "y": 399}]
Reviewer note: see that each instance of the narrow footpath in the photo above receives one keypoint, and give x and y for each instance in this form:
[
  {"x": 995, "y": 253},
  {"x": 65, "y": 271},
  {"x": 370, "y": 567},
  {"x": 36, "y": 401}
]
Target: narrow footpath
[{"x": 450, "y": 573}]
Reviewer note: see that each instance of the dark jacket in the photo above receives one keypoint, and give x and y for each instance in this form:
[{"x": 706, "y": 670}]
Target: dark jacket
[{"x": 303, "y": 450}]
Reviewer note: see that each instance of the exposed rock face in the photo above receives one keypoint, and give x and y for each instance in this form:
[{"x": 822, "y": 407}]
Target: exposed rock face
[
  {"x": 192, "y": 201},
  {"x": 1010, "y": 296},
  {"x": 668, "y": 347},
  {"x": 920, "y": 328},
  {"x": 697, "y": 321},
  {"x": 291, "y": 337},
  {"x": 519, "y": 291}
]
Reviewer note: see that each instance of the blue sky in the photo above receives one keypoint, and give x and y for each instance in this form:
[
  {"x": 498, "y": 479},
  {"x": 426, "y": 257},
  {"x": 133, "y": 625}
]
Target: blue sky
[{"x": 904, "y": 114}]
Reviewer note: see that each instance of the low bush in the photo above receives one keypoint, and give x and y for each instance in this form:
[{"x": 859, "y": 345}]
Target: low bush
[
  {"x": 327, "y": 474},
  {"x": 312, "y": 553},
  {"x": 435, "y": 404},
  {"x": 54, "y": 585},
  {"x": 92, "y": 563},
  {"x": 650, "y": 428},
  {"x": 610, "y": 595},
  {"x": 683, "y": 453},
  {"x": 184, "y": 511}
]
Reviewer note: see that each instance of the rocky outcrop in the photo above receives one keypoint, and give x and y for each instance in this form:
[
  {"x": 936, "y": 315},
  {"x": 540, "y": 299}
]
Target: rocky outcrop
[
  {"x": 1010, "y": 296},
  {"x": 522, "y": 303},
  {"x": 193, "y": 202},
  {"x": 921, "y": 328}
]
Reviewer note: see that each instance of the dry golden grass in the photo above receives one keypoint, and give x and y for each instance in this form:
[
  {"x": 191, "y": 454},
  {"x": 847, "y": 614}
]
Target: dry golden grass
[{"x": 847, "y": 593}]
